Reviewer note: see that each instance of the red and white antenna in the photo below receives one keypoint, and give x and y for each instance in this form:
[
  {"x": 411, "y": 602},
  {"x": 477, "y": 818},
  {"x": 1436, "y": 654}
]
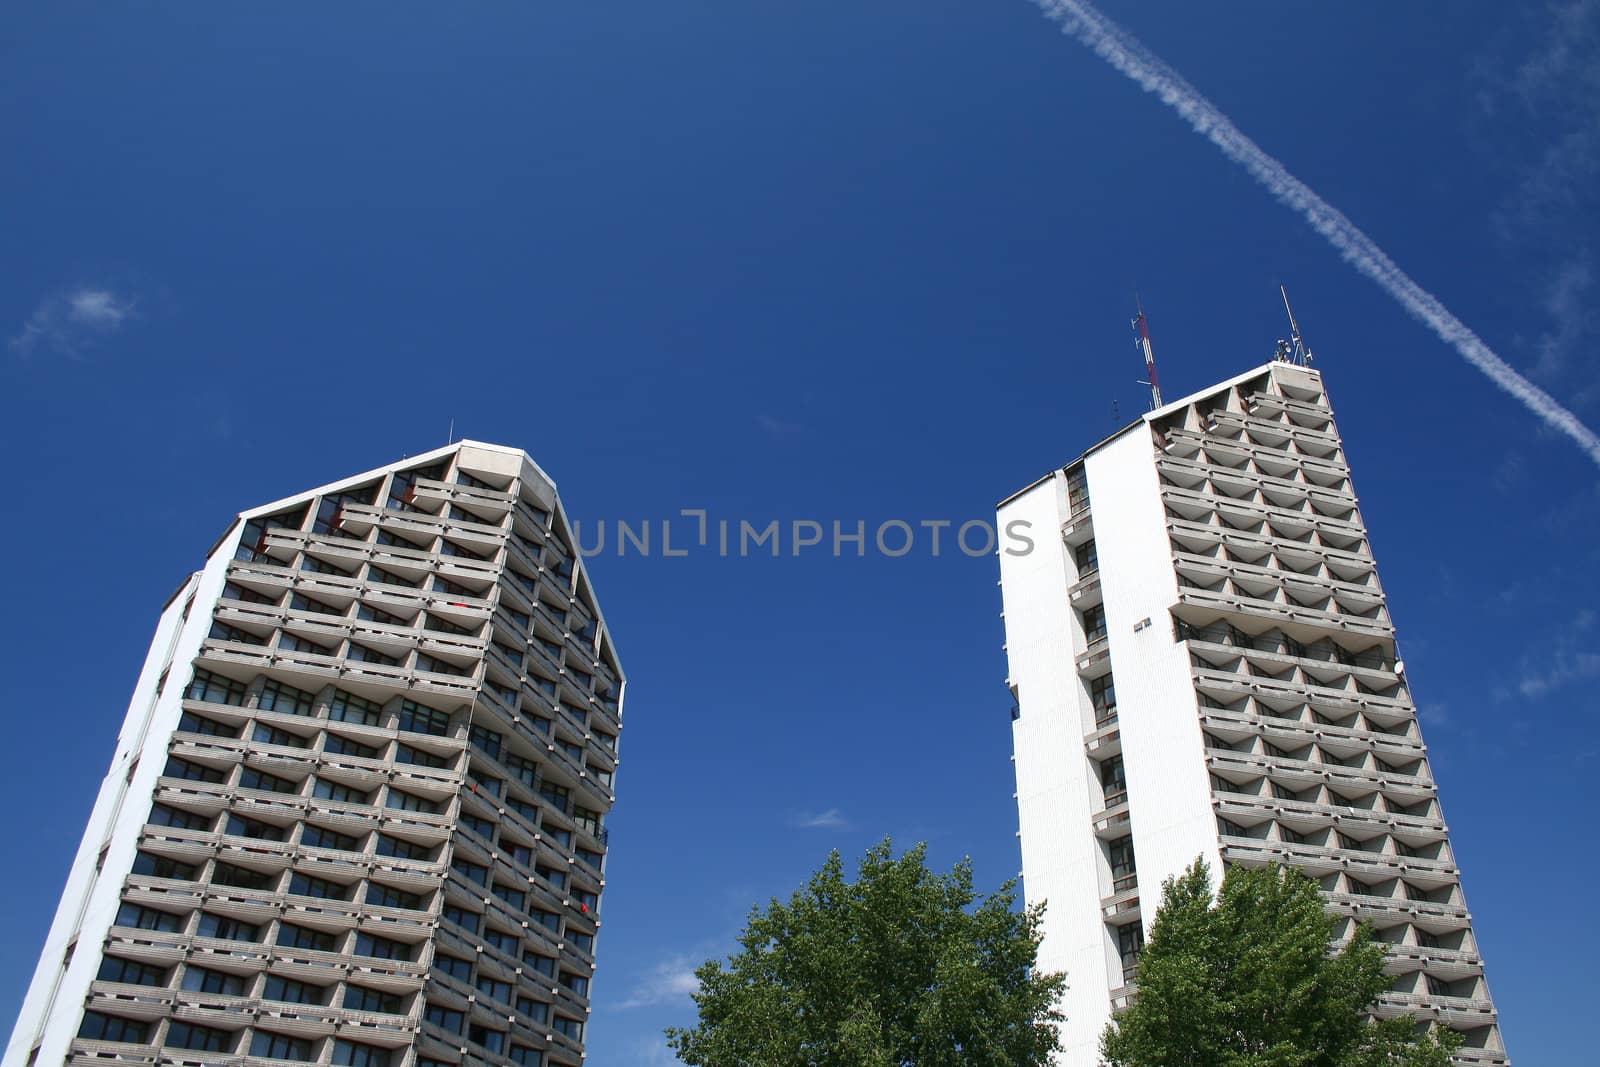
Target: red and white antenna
[{"x": 1142, "y": 342}]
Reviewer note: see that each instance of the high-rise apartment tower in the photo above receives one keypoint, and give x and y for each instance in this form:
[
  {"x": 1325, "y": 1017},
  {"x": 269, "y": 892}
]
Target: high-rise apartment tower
[
  {"x": 1203, "y": 665},
  {"x": 355, "y": 814}
]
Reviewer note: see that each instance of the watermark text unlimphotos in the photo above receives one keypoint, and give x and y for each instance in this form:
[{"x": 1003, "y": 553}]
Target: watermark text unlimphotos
[{"x": 695, "y": 532}]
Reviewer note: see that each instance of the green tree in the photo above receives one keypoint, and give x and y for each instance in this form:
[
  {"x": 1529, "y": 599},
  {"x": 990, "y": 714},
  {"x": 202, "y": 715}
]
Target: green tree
[
  {"x": 901, "y": 966},
  {"x": 1250, "y": 981}
]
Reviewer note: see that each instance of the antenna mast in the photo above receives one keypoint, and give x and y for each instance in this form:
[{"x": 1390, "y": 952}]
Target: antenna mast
[
  {"x": 1142, "y": 342},
  {"x": 1296, "y": 353}
]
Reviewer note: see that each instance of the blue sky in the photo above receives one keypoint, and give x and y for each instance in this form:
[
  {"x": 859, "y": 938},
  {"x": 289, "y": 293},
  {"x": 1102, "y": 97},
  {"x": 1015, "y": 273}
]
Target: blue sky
[{"x": 831, "y": 261}]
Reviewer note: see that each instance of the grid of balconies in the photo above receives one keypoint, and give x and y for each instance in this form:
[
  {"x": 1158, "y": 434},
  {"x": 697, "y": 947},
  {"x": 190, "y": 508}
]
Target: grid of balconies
[
  {"x": 1311, "y": 737},
  {"x": 1102, "y": 741},
  {"x": 379, "y": 839}
]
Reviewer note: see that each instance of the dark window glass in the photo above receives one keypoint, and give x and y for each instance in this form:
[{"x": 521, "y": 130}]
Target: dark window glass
[
  {"x": 318, "y": 837},
  {"x": 220, "y": 926},
  {"x": 242, "y": 827},
  {"x": 352, "y": 1054},
  {"x": 292, "y": 936},
  {"x": 388, "y": 897},
  {"x": 410, "y": 802},
  {"x": 203, "y": 980},
  {"x": 132, "y": 972},
  {"x": 455, "y": 968},
  {"x": 243, "y": 877},
  {"x": 343, "y": 746},
  {"x": 275, "y": 696},
  {"x": 272, "y": 735},
  {"x": 250, "y": 778},
  {"x": 384, "y": 948},
  {"x": 215, "y": 688},
  {"x": 99, "y": 1027},
  {"x": 280, "y": 1047},
  {"x": 359, "y": 999},
  {"x": 406, "y": 850},
  {"x": 194, "y": 772},
  {"x": 347, "y": 707},
  {"x": 334, "y": 791},
  {"x": 293, "y": 992},
  {"x": 421, "y": 757},
  {"x": 418, "y": 719},
  {"x": 162, "y": 867},
  {"x": 141, "y": 918},
  {"x": 199, "y": 724},
  {"x": 200, "y": 1038},
  {"x": 162, "y": 815},
  {"x": 306, "y": 885}
]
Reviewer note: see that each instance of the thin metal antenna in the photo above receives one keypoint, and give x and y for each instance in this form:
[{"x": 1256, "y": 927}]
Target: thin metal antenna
[
  {"x": 1142, "y": 342},
  {"x": 1297, "y": 352},
  {"x": 1116, "y": 412},
  {"x": 450, "y": 438}
]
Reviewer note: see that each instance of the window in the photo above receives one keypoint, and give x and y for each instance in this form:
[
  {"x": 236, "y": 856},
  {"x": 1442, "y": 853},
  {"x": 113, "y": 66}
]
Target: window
[
  {"x": 442, "y": 625},
  {"x": 1114, "y": 781},
  {"x": 153, "y": 866},
  {"x": 1103, "y": 692},
  {"x": 444, "y": 1018},
  {"x": 226, "y": 929},
  {"x": 421, "y": 757},
  {"x": 301, "y": 602},
  {"x": 275, "y": 696},
  {"x": 280, "y": 1047},
  {"x": 488, "y": 741},
  {"x": 1120, "y": 854},
  {"x": 1077, "y": 490},
  {"x": 376, "y": 573},
  {"x": 319, "y": 566},
  {"x": 242, "y": 827},
  {"x": 593, "y": 859},
  {"x": 410, "y": 802},
  {"x": 243, "y": 877},
  {"x": 131, "y": 972},
  {"x": 388, "y": 897},
  {"x": 482, "y": 827},
  {"x": 334, "y": 791},
  {"x": 418, "y": 719},
  {"x": 551, "y": 875},
  {"x": 406, "y": 850},
  {"x": 98, "y": 1027},
  {"x": 199, "y": 724},
  {"x": 426, "y": 662},
  {"x": 472, "y": 872},
  {"x": 317, "y": 837},
  {"x": 1087, "y": 558},
  {"x": 582, "y": 942},
  {"x": 541, "y": 964},
  {"x": 194, "y": 772},
  {"x": 359, "y": 999},
  {"x": 469, "y": 921},
  {"x": 363, "y": 654},
  {"x": 371, "y": 614},
  {"x": 292, "y": 936},
  {"x": 384, "y": 948},
  {"x": 1228, "y": 828},
  {"x": 525, "y": 770},
  {"x": 347, "y": 707},
  {"x": 1130, "y": 940},
  {"x": 442, "y": 584},
  {"x": 517, "y": 898},
  {"x": 272, "y": 735},
  {"x": 142, "y": 918},
  {"x": 575, "y": 982},
  {"x": 558, "y": 795},
  {"x": 251, "y": 778},
  {"x": 200, "y": 1038},
  {"x": 352, "y": 1054},
  {"x": 524, "y": 1056},
  {"x": 215, "y": 689},
  {"x": 569, "y": 1027},
  {"x": 547, "y": 919},
  {"x": 235, "y": 591},
  {"x": 505, "y": 942},
  {"x": 455, "y": 968},
  {"x": 1094, "y": 623},
  {"x": 343, "y": 746},
  {"x": 306, "y": 885},
  {"x": 294, "y": 992},
  {"x": 162, "y": 815},
  {"x": 203, "y": 980},
  {"x": 521, "y": 854},
  {"x": 493, "y": 1040},
  {"x": 291, "y": 643}
]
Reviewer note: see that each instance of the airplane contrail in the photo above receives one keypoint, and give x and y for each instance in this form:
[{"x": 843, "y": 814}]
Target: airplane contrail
[{"x": 1124, "y": 52}]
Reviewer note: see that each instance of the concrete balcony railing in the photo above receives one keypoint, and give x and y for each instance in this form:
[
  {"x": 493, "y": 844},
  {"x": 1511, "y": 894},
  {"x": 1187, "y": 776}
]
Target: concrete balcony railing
[
  {"x": 1244, "y": 805},
  {"x": 1293, "y": 733}
]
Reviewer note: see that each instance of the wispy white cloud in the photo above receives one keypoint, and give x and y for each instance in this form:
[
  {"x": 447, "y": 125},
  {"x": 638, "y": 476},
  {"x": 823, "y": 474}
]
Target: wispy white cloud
[
  {"x": 832, "y": 819},
  {"x": 1130, "y": 57},
  {"x": 69, "y": 322},
  {"x": 1570, "y": 656},
  {"x": 669, "y": 980},
  {"x": 776, "y": 427}
]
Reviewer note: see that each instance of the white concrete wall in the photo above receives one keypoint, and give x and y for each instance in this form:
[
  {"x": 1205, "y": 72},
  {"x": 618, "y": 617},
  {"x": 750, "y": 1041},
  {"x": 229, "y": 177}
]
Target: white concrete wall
[
  {"x": 1169, "y": 790},
  {"x": 1055, "y": 791},
  {"x": 53, "y": 1006}
]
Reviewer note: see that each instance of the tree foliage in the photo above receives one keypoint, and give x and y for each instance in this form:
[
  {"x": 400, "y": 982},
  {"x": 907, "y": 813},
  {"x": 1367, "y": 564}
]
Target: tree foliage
[
  {"x": 1251, "y": 982},
  {"x": 900, "y": 967}
]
